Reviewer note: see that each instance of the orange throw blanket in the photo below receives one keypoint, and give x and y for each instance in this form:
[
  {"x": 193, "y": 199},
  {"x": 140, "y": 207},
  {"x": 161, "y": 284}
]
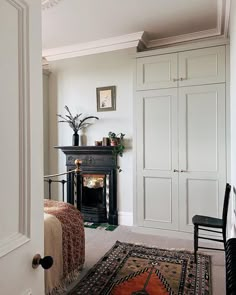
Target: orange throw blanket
[{"x": 73, "y": 238}]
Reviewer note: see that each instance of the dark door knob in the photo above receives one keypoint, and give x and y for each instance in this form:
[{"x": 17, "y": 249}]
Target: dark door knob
[{"x": 45, "y": 262}]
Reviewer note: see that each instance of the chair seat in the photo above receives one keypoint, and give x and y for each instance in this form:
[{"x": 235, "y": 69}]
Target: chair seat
[{"x": 207, "y": 221}]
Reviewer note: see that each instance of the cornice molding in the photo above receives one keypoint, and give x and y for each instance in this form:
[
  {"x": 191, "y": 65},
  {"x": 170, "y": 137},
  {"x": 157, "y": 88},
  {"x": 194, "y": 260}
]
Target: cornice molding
[
  {"x": 99, "y": 46},
  {"x": 49, "y": 3},
  {"x": 140, "y": 40},
  {"x": 222, "y": 28},
  {"x": 182, "y": 38},
  {"x": 227, "y": 17}
]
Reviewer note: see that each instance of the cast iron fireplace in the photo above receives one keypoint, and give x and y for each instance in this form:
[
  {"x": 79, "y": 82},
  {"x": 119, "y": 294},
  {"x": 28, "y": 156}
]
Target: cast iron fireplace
[
  {"x": 97, "y": 182},
  {"x": 94, "y": 197}
]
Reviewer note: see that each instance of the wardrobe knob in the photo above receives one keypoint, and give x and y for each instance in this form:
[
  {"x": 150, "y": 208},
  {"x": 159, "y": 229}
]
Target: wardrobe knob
[
  {"x": 175, "y": 170},
  {"x": 183, "y": 170}
]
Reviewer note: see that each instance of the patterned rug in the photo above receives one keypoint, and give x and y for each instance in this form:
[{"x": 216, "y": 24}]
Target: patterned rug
[{"x": 130, "y": 269}]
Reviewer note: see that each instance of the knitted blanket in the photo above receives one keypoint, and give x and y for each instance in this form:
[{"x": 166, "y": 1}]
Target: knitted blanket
[{"x": 73, "y": 240}]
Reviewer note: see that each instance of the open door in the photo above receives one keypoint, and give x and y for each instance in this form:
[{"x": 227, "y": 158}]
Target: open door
[{"x": 21, "y": 152}]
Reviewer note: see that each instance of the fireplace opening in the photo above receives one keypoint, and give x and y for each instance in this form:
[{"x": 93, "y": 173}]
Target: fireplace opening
[{"x": 94, "y": 197}]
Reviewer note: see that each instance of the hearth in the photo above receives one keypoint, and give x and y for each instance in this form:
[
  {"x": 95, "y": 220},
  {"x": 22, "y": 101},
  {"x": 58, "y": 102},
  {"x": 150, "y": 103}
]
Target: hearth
[
  {"x": 94, "y": 197},
  {"x": 97, "y": 182}
]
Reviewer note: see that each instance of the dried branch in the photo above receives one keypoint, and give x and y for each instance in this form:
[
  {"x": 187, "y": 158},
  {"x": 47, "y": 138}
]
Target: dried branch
[{"x": 74, "y": 121}]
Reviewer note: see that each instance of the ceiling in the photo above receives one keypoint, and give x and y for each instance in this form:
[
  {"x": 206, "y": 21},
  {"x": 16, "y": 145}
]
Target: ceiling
[{"x": 73, "y": 24}]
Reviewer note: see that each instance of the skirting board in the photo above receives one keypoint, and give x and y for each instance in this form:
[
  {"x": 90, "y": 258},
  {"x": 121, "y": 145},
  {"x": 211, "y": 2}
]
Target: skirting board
[
  {"x": 162, "y": 232},
  {"x": 125, "y": 218},
  {"x": 175, "y": 235}
]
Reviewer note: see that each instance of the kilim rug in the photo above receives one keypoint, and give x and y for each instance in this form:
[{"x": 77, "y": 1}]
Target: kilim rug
[{"x": 130, "y": 269}]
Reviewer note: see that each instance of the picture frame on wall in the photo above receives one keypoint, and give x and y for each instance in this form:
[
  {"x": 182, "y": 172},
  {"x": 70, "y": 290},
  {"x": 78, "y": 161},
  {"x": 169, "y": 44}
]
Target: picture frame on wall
[{"x": 106, "y": 98}]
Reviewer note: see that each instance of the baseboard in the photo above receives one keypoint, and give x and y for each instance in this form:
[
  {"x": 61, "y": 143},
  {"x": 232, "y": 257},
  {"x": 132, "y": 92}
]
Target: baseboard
[
  {"x": 125, "y": 218},
  {"x": 162, "y": 232}
]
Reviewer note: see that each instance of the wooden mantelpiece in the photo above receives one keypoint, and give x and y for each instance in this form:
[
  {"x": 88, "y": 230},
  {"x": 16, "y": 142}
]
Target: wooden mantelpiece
[{"x": 95, "y": 159}]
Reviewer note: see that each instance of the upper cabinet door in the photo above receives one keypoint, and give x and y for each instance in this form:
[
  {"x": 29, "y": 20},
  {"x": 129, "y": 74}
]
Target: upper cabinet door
[
  {"x": 157, "y": 72},
  {"x": 202, "y": 66}
]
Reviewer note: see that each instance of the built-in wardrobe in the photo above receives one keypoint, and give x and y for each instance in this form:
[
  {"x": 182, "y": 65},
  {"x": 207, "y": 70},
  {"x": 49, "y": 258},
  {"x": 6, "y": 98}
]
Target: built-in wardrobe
[{"x": 181, "y": 136}]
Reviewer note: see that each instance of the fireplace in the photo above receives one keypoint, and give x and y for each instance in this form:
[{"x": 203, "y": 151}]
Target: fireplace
[
  {"x": 97, "y": 182},
  {"x": 94, "y": 197}
]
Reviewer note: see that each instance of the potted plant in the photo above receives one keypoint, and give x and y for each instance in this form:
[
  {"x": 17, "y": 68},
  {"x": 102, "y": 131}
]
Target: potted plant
[
  {"x": 117, "y": 141},
  {"x": 76, "y": 123}
]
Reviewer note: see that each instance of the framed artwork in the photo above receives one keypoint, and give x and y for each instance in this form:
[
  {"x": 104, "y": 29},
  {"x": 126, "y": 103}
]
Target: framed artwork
[{"x": 106, "y": 98}]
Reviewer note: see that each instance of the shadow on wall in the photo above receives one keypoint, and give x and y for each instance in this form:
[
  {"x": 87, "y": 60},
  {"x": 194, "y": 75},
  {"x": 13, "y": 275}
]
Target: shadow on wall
[{"x": 50, "y": 128}]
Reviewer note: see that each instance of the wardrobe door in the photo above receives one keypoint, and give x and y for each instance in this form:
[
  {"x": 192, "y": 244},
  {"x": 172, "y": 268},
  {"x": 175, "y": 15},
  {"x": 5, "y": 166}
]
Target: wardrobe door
[
  {"x": 157, "y": 159},
  {"x": 157, "y": 72},
  {"x": 202, "y": 163},
  {"x": 202, "y": 66}
]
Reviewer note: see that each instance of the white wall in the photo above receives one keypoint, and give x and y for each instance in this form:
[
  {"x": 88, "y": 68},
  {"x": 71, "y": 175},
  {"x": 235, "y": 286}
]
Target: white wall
[
  {"x": 233, "y": 108},
  {"x": 73, "y": 83}
]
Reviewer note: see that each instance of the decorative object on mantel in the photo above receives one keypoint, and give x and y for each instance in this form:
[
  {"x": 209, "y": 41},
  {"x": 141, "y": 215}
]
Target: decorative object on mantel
[
  {"x": 49, "y": 3},
  {"x": 105, "y": 141},
  {"x": 106, "y": 98},
  {"x": 117, "y": 141},
  {"x": 98, "y": 142},
  {"x": 75, "y": 123}
]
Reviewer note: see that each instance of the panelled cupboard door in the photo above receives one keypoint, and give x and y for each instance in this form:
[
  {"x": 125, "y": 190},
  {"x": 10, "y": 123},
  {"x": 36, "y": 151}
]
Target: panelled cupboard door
[
  {"x": 157, "y": 72},
  {"x": 202, "y": 66},
  {"x": 21, "y": 157},
  {"x": 202, "y": 162},
  {"x": 157, "y": 158}
]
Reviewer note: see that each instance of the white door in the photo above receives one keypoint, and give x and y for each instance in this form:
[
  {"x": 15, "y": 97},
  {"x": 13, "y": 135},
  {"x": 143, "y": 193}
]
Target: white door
[
  {"x": 157, "y": 158},
  {"x": 21, "y": 157},
  {"x": 157, "y": 72},
  {"x": 201, "y": 152}
]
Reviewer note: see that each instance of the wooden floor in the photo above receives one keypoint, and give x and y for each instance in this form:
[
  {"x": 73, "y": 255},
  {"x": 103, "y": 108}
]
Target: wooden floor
[{"x": 98, "y": 242}]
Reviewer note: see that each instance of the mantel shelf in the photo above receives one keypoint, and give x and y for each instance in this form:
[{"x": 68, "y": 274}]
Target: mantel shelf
[{"x": 86, "y": 149}]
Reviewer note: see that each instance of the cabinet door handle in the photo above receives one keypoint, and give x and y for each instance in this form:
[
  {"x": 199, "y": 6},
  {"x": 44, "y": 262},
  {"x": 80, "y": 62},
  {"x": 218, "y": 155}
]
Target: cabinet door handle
[
  {"x": 183, "y": 171},
  {"x": 182, "y": 79},
  {"x": 175, "y": 170}
]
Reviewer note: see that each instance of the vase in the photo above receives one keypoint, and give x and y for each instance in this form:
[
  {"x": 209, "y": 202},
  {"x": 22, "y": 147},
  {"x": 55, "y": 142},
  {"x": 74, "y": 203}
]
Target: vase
[
  {"x": 75, "y": 139},
  {"x": 113, "y": 141}
]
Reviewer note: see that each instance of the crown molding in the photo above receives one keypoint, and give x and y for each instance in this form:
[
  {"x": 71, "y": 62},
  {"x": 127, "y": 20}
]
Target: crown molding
[
  {"x": 49, "y": 3},
  {"x": 182, "y": 38},
  {"x": 140, "y": 40},
  {"x": 99, "y": 46},
  {"x": 227, "y": 17},
  {"x": 222, "y": 28}
]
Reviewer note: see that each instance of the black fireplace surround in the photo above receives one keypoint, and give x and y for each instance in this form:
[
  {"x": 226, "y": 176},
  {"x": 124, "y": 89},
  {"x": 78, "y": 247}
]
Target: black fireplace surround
[{"x": 96, "y": 161}]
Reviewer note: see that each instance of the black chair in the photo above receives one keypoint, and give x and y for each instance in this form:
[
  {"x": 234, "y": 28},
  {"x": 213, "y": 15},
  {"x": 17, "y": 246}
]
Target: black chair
[{"x": 207, "y": 223}]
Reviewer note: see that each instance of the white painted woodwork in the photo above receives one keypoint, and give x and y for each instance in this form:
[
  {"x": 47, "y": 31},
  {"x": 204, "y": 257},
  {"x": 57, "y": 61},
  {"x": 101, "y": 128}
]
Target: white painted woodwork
[
  {"x": 202, "y": 66},
  {"x": 232, "y": 219},
  {"x": 187, "y": 68},
  {"x": 9, "y": 51},
  {"x": 181, "y": 128},
  {"x": 201, "y": 152},
  {"x": 21, "y": 189},
  {"x": 157, "y": 150},
  {"x": 157, "y": 72}
]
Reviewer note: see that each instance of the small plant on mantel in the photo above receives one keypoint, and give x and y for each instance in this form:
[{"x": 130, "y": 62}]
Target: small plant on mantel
[{"x": 117, "y": 141}]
